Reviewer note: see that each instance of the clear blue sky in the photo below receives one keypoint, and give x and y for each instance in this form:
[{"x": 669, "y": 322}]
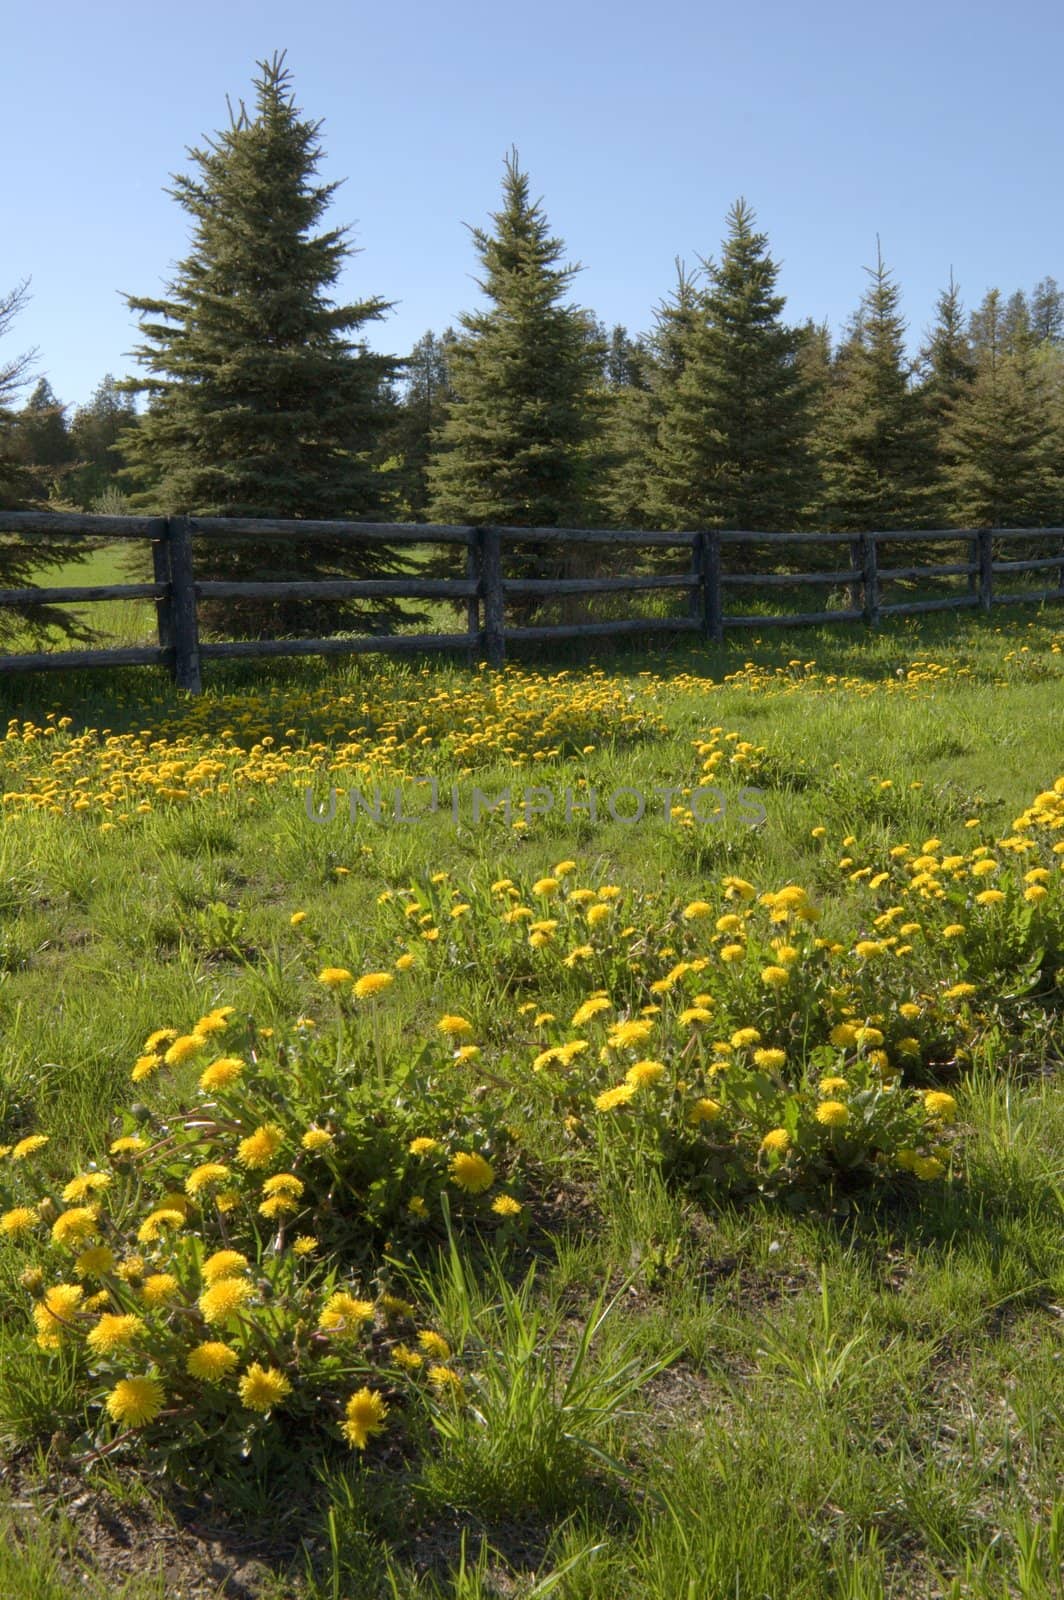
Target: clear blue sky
[{"x": 936, "y": 124}]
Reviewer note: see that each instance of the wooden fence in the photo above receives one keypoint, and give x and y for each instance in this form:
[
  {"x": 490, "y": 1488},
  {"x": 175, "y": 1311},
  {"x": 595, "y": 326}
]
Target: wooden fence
[{"x": 485, "y": 589}]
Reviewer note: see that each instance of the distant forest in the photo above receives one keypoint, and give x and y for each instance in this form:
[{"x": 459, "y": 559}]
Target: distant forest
[{"x": 260, "y": 395}]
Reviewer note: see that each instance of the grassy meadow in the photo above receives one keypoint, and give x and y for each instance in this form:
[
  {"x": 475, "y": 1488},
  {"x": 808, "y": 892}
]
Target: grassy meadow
[{"x": 430, "y": 1200}]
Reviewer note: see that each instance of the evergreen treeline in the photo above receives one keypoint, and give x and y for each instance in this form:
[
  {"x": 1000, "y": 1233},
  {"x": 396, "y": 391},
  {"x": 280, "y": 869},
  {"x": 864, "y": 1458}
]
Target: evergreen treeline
[{"x": 262, "y": 398}]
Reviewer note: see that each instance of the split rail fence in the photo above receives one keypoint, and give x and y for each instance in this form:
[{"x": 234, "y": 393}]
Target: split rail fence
[{"x": 485, "y": 589}]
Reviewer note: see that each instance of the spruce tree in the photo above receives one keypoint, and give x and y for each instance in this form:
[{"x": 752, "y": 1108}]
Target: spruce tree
[
  {"x": 733, "y": 445},
  {"x": 1003, "y": 466},
  {"x": 262, "y": 399},
  {"x": 516, "y": 445},
  {"x": 25, "y": 564},
  {"x": 94, "y": 434},
  {"x": 42, "y": 442},
  {"x": 425, "y": 389},
  {"x": 876, "y": 443},
  {"x": 948, "y": 370},
  {"x": 637, "y": 408}
]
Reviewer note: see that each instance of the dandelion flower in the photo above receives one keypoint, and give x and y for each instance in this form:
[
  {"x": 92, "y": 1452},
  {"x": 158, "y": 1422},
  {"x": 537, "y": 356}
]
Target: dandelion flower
[
  {"x": 770, "y": 1060},
  {"x": 333, "y": 977},
  {"x": 832, "y": 1113},
  {"x": 590, "y": 1008},
  {"x": 260, "y": 1147},
  {"x": 610, "y": 1099},
  {"x": 54, "y": 1311},
  {"x": 183, "y": 1049},
  {"x": 86, "y": 1184},
  {"x": 207, "y": 1176},
  {"x": 454, "y": 1027},
  {"x": 506, "y": 1206},
  {"x": 959, "y": 991},
  {"x": 128, "y": 1145},
  {"x": 926, "y": 1167},
  {"x": 113, "y": 1333},
  {"x": 144, "y": 1066},
  {"x": 211, "y": 1361},
  {"x": 223, "y": 1264},
  {"x": 830, "y": 1086},
  {"x": 644, "y": 1073},
  {"x": 94, "y": 1262},
  {"x": 373, "y": 983},
  {"x": 158, "y": 1288},
  {"x": 743, "y": 1037},
  {"x": 364, "y": 1416},
  {"x": 224, "y": 1299},
  {"x": 342, "y": 1314},
  {"x": 135, "y": 1401},
  {"x": 407, "y": 1358},
  {"x": 261, "y": 1388},
  {"x": 423, "y": 1146},
  {"x": 316, "y": 1139},
  {"x": 697, "y": 909},
  {"x": 471, "y": 1172},
  {"x": 447, "y": 1381},
  {"x": 704, "y": 1110},
  {"x": 157, "y": 1222},
  {"x": 304, "y": 1244},
  {"x": 777, "y": 1141},
  {"x": 28, "y": 1146},
  {"x": 220, "y": 1073},
  {"x": 20, "y": 1220},
  {"x": 434, "y": 1344},
  {"x": 940, "y": 1105}
]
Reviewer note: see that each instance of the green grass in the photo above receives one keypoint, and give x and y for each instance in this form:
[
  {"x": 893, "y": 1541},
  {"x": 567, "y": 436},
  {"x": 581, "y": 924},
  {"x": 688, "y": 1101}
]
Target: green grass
[{"x": 863, "y": 1399}]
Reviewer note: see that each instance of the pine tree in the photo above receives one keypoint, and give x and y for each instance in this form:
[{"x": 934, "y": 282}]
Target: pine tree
[
  {"x": 23, "y": 565},
  {"x": 1047, "y": 312},
  {"x": 263, "y": 402},
  {"x": 948, "y": 367},
  {"x": 1002, "y": 446},
  {"x": 42, "y": 442},
  {"x": 419, "y": 414},
  {"x": 637, "y": 407},
  {"x": 94, "y": 434},
  {"x": 516, "y": 446},
  {"x": 733, "y": 445},
  {"x": 876, "y": 443}
]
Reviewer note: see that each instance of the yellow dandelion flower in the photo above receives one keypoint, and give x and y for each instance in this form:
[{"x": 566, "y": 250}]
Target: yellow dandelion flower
[
  {"x": 364, "y": 1416},
  {"x": 160, "y": 1036},
  {"x": 54, "y": 1312},
  {"x": 28, "y": 1146},
  {"x": 113, "y": 1333},
  {"x": 704, "y": 1110},
  {"x": 94, "y": 1262},
  {"x": 20, "y": 1220},
  {"x": 407, "y": 1358},
  {"x": 207, "y": 1176},
  {"x": 926, "y": 1167},
  {"x": 743, "y": 1037},
  {"x": 223, "y": 1264},
  {"x": 610, "y": 1099},
  {"x": 434, "y": 1345},
  {"x": 777, "y": 1141},
  {"x": 316, "y": 1139},
  {"x": 454, "y": 1027},
  {"x": 832, "y": 1114},
  {"x": 644, "y": 1073},
  {"x": 471, "y": 1172},
  {"x": 333, "y": 977},
  {"x": 260, "y": 1147},
  {"x": 344, "y": 1315},
  {"x": 304, "y": 1244},
  {"x": 770, "y": 1060},
  {"x": 183, "y": 1049},
  {"x": 423, "y": 1146},
  {"x": 158, "y": 1288},
  {"x": 373, "y": 983},
  {"x": 211, "y": 1361},
  {"x": 220, "y": 1073},
  {"x": 135, "y": 1401},
  {"x": 128, "y": 1145},
  {"x": 224, "y": 1299},
  {"x": 940, "y": 1105},
  {"x": 959, "y": 991},
  {"x": 989, "y": 897},
  {"x": 261, "y": 1388},
  {"x": 774, "y": 977},
  {"x": 506, "y": 1206}
]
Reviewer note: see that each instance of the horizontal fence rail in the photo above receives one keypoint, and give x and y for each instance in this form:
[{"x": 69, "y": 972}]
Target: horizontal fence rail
[{"x": 485, "y": 589}]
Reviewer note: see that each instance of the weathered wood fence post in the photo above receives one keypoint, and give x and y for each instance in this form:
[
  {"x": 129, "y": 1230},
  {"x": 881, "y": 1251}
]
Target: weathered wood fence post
[
  {"x": 857, "y": 568},
  {"x": 183, "y": 619},
  {"x": 489, "y": 541},
  {"x": 712, "y": 602},
  {"x": 870, "y": 578},
  {"x": 472, "y": 569},
  {"x": 160, "y": 562},
  {"x": 985, "y": 542}
]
